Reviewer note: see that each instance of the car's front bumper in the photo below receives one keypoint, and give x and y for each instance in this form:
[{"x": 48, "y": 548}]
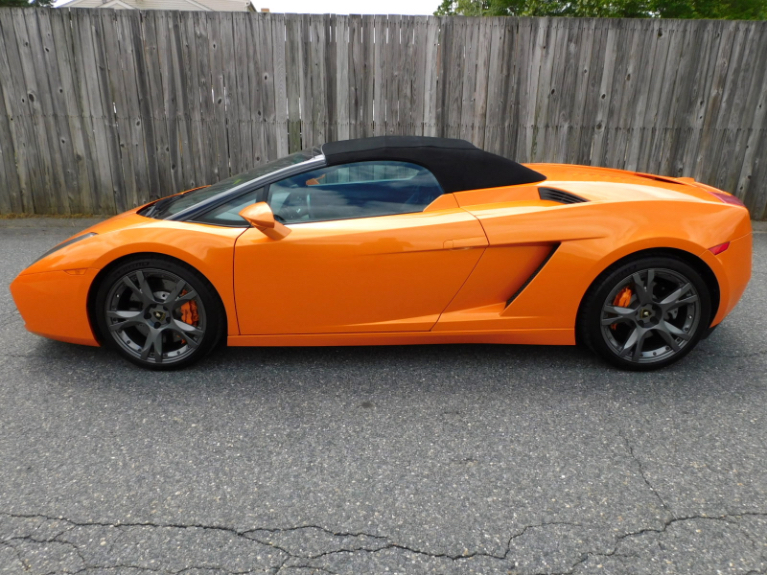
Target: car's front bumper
[{"x": 54, "y": 304}]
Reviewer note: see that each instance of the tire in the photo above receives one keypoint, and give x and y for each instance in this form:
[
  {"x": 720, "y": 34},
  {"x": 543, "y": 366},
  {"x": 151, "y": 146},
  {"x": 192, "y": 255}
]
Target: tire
[
  {"x": 639, "y": 329},
  {"x": 158, "y": 313}
]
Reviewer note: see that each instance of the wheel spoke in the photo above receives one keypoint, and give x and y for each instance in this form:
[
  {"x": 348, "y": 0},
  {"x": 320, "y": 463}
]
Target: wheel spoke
[
  {"x": 675, "y": 331},
  {"x": 669, "y": 339},
  {"x": 643, "y": 292},
  {"x": 142, "y": 290},
  {"x": 674, "y": 296},
  {"x": 185, "y": 329},
  {"x": 153, "y": 342},
  {"x": 128, "y": 318},
  {"x": 622, "y": 313},
  {"x": 158, "y": 347},
  {"x": 145, "y": 289},
  {"x": 182, "y": 299},
  {"x": 639, "y": 345},
  {"x": 176, "y": 291},
  {"x": 650, "y": 282},
  {"x": 134, "y": 288},
  {"x": 630, "y": 340},
  {"x": 634, "y": 341},
  {"x": 680, "y": 302},
  {"x": 148, "y": 344},
  {"x": 189, "y": 340}
]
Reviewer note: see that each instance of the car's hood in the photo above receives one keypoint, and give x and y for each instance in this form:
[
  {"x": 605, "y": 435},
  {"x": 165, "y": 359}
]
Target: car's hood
[{"x": 119, "y": 222}]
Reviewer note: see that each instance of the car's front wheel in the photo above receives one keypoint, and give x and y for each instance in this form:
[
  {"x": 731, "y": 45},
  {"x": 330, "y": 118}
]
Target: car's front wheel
[
  {"x": 646, "y": 314},
  {"x": 158, "y": 313}
]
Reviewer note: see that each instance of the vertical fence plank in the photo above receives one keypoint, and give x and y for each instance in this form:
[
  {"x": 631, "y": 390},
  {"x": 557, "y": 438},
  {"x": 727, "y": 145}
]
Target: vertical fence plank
[
  {"x": 15, "y": 138},
  {"x": 153, "y": 109},
  {"x": 137, "y": 122},
  {"x": 81, "y": 128},
  {"x": 46, "y": 189},
  {"x": 294, "y": 64},
  {"x": 427, "y": 73},
  {"x": 280, "y": 85},
  {"x": 97, "y": 117},
  {"x": 69, "y": 139},
  {"x": 356, "y": 76}
]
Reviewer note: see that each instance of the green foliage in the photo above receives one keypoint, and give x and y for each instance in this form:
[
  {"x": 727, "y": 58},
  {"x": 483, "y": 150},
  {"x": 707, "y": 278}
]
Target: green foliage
[
  {"x": 26, "y": 4},
  {"x": 714, "y": 9}
]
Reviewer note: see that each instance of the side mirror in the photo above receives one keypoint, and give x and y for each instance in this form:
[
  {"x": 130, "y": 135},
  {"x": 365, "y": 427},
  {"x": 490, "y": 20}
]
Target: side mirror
[{"x": 260, "y": 216}]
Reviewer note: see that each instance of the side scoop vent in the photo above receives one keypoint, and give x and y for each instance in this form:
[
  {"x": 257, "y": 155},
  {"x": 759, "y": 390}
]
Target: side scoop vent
[{"x": 559, "y": 196}]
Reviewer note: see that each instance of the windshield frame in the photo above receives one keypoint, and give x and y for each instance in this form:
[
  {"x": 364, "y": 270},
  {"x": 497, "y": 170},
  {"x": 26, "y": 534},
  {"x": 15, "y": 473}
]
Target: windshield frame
[{"x": 198, "y": 209}]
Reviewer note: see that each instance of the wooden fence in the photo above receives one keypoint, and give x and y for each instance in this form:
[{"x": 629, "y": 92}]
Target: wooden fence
[{"x": 103, "y": 110}]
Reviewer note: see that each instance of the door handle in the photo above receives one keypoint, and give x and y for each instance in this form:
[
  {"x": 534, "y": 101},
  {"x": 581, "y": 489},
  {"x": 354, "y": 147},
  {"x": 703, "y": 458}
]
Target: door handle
[{"x": 478, "y": 242}]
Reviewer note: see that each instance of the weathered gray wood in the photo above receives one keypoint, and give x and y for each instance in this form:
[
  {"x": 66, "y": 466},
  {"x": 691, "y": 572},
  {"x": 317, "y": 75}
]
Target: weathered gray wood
[
  {"x": 280, "y": 84},
  {"x": 294, "y": 64},
  {"x": 54, "y": 31},
  {"x": 428, "y": 73},
  {"x": 97, "y": 120},
  {"x": 153, "y": 110},
  {"x": 230, "y": 87},
  {"x": 265, "y": 137},
  {"x": 102, "y": 110},
  {"x": 379, "y": 71},
  {"x": 355, "y": 71},
  {"x": 242, "y": 127},
  {"x": 128, "y": 23},
  {"x": 16, "y": 160},
  {"x": 317, "y": 70},
  {"x": 392, "y": 73},
  {"x": 198, "y": 91},
  {"x": 453, "y": 66},
  {"x": 80, "y": 122},
  {"x": 46, "y": 197}
]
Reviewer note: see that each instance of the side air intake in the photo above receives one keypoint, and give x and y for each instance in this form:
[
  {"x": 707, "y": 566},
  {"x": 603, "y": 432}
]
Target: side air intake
[{"x": 559, "y": 196}]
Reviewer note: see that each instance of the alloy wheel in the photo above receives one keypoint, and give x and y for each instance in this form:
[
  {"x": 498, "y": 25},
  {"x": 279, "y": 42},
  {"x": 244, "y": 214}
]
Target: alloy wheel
[
  {"x": 155, "y": 316},
  {"x": 650, "y": 315}
]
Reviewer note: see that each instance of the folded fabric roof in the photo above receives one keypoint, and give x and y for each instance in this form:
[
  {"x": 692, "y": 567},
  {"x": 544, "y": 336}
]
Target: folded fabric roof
[{"x": 457, "y": 164}]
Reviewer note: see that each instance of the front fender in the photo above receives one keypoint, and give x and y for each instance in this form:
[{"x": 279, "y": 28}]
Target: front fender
[{"x": 208, "y": 249}]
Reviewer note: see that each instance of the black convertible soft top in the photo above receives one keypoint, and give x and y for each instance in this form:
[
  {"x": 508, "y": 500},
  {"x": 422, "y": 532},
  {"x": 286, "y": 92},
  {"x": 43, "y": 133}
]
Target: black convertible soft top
[{"x": 458, "y": 165}]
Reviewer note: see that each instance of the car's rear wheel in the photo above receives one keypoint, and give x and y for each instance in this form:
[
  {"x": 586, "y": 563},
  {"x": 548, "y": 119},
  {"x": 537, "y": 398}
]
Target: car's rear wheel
[
  {"x": 158, "y": 314},
  {"x": 646, "y": 314}
]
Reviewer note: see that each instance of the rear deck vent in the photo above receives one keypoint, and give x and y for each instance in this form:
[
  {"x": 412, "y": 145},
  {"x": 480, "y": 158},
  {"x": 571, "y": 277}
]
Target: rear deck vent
[{"x": 554, "y": 195}]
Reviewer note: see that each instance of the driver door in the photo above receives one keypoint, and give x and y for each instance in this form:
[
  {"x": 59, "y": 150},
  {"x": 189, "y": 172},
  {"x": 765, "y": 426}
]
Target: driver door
[{"x": 368, "y": 252}]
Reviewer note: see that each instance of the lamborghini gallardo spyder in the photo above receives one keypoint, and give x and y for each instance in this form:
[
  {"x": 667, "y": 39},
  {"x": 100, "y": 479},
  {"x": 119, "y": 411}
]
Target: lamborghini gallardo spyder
[{"x": 402, "y": 240}]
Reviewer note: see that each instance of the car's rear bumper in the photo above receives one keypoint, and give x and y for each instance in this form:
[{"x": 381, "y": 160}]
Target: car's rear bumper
[
  {"x": 733, "y": 271},
  {"x": 54, "y": 304}
]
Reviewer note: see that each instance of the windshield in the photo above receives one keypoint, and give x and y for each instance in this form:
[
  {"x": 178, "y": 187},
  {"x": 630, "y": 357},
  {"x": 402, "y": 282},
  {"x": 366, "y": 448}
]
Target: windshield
[{"x": 172, "y": 205}]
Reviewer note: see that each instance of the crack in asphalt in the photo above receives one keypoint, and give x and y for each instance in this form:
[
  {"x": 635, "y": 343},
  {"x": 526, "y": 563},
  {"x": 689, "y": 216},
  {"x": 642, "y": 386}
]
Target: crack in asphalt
[
  {"x": 620, "y": 538},
  {"x": 643, "y": 475},
  {"x": 282, "y": 565}
]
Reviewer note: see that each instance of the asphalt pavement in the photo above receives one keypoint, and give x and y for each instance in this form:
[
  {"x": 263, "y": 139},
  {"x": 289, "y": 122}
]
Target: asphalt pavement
[{"x": 426, "y": 459}]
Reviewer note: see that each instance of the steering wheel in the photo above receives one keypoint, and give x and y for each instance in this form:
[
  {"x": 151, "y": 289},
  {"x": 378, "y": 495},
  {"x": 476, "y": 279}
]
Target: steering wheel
[{"x": 296, "y": 207}]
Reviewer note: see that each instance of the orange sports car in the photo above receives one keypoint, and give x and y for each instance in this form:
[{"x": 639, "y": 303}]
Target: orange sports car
[{"x": 402, "y": 240}]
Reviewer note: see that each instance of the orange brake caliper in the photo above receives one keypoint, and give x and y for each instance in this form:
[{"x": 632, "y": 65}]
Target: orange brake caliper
[
  {"x": 622, "y": 300},
  {"x": 190, "y": 313}
]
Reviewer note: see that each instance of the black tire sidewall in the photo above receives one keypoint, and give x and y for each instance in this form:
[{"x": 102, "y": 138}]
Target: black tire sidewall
[
  {"x": 589, "y": 320},
  {"x": 214, "y": 311}
]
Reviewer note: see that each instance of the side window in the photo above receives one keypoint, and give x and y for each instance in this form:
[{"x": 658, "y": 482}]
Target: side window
[
  {"x": 228, "y": 213},
  {"x": 358, "y": 190}
]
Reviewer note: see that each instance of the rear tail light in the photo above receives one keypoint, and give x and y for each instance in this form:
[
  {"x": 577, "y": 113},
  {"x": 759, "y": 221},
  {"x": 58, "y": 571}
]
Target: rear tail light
[
  {"x": 716, "y": 250},
  {"x": 727, "y": 198}
]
